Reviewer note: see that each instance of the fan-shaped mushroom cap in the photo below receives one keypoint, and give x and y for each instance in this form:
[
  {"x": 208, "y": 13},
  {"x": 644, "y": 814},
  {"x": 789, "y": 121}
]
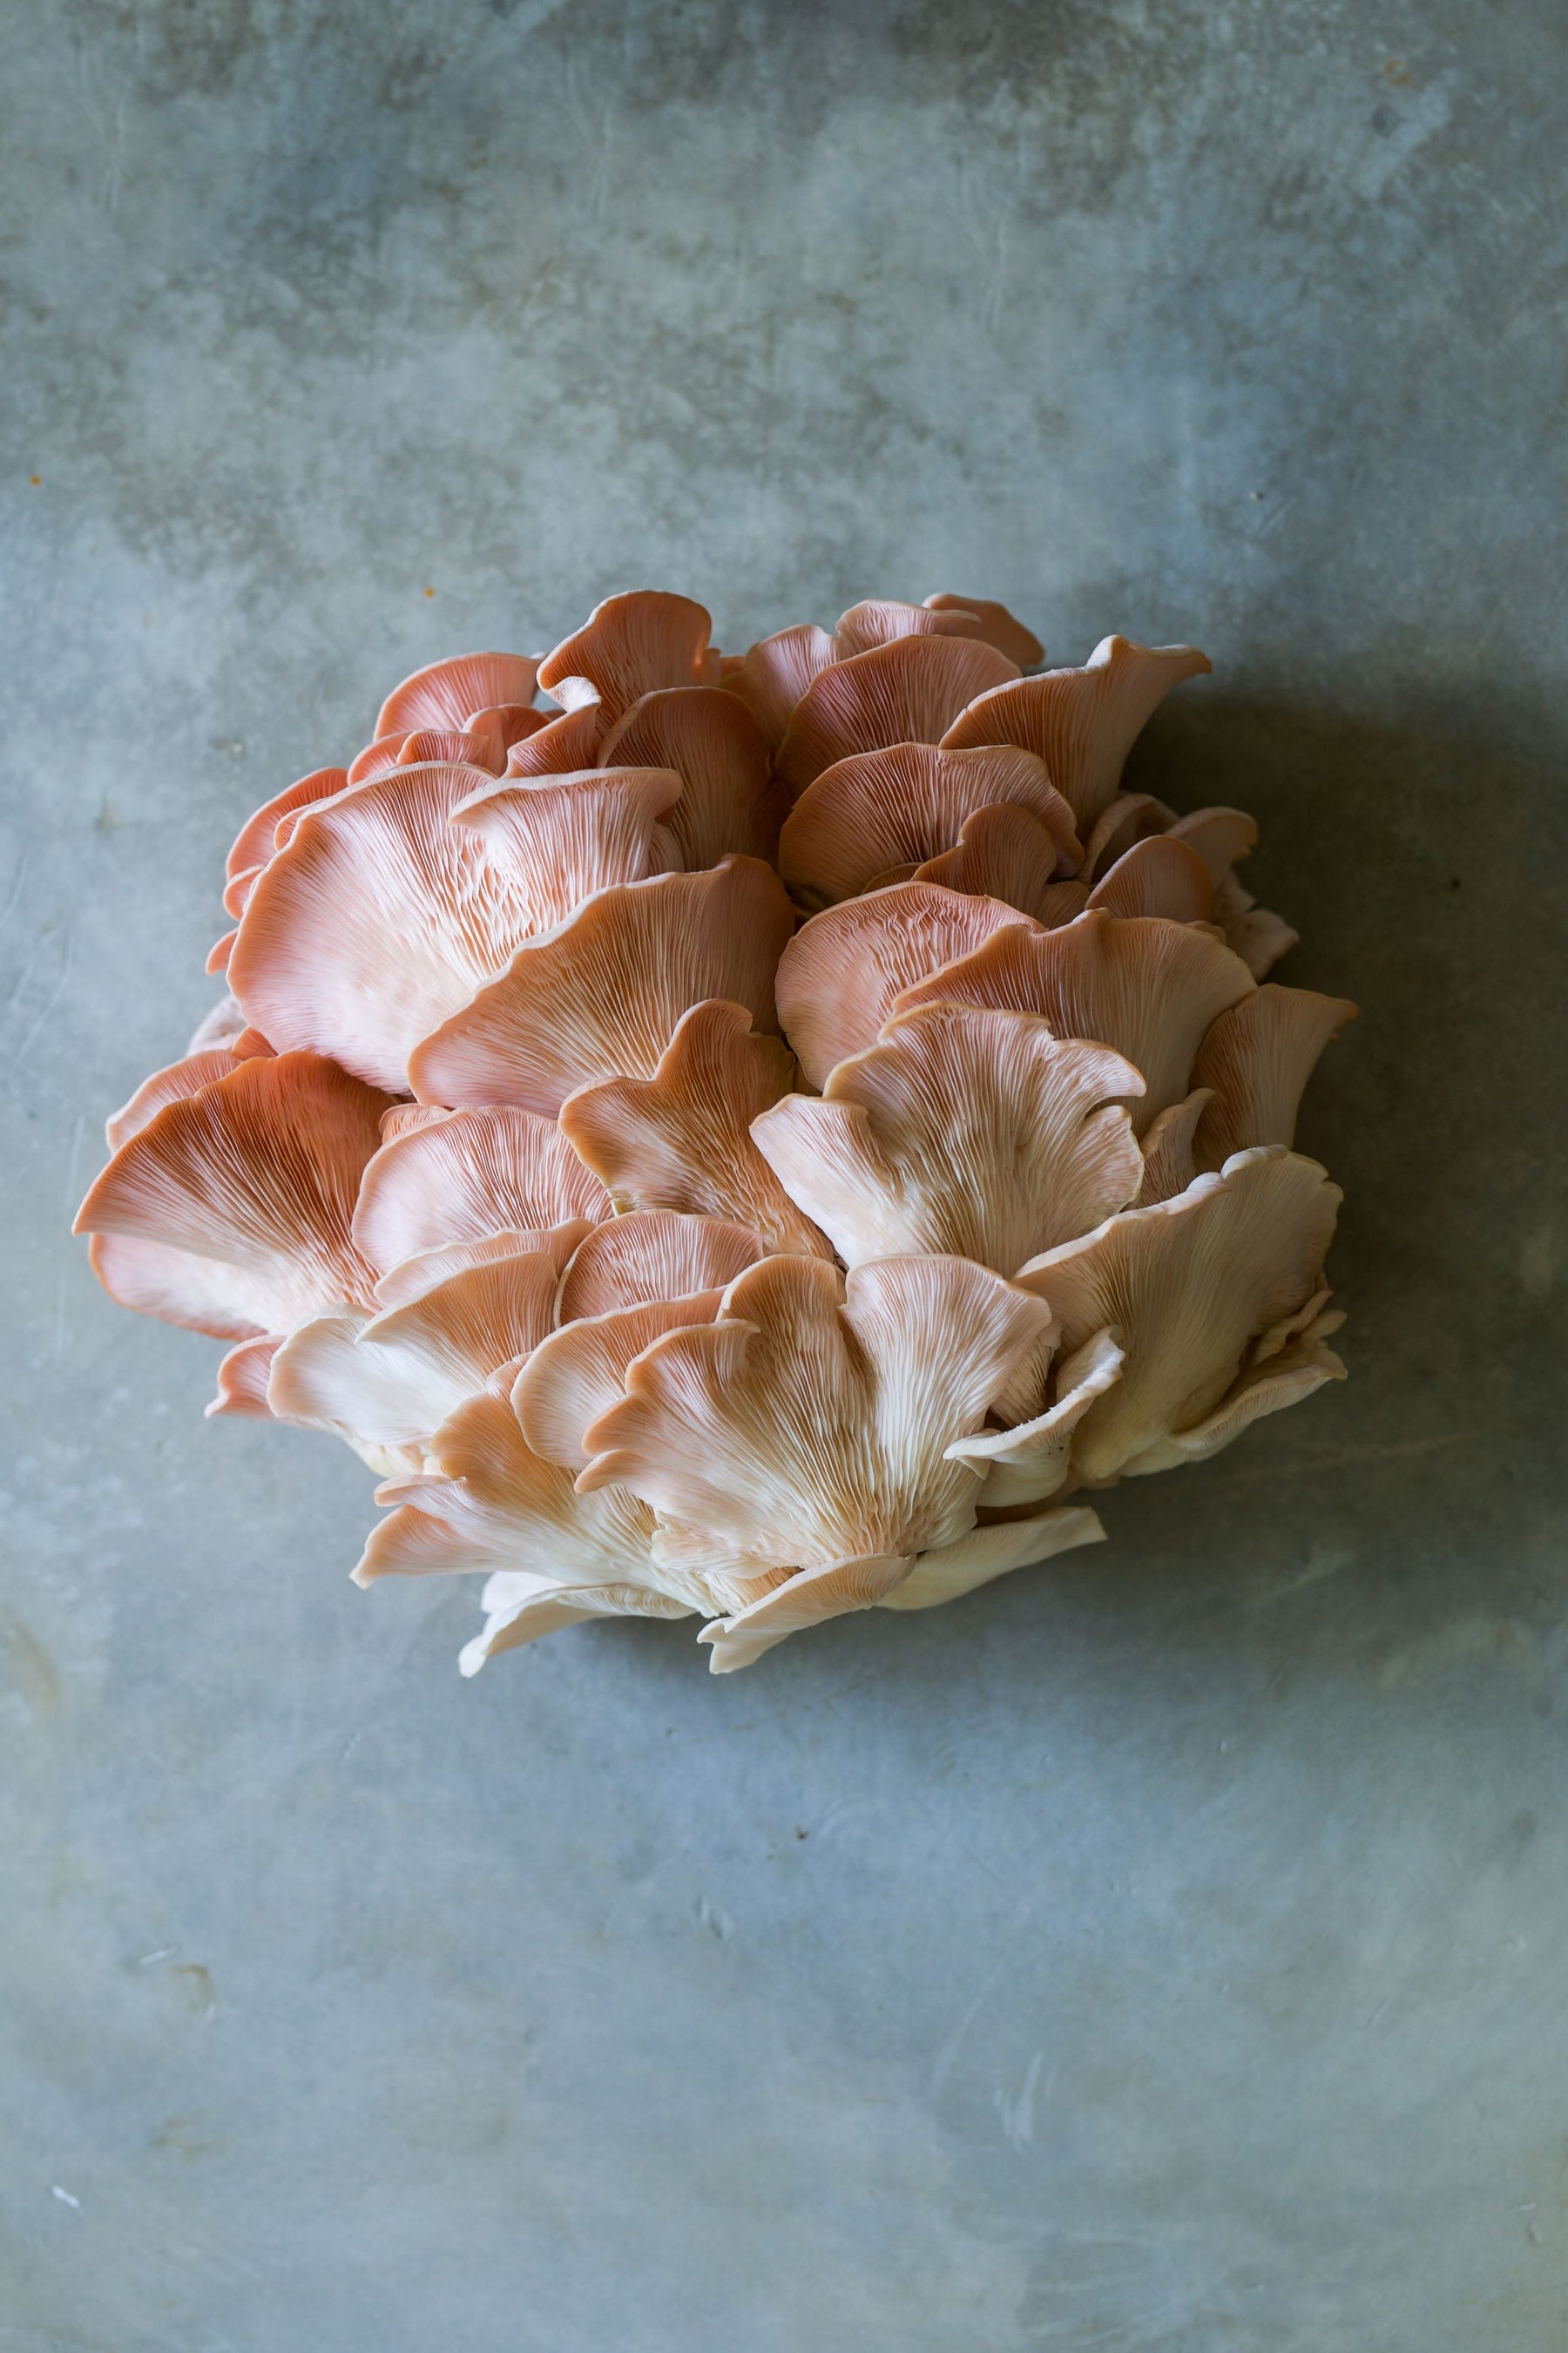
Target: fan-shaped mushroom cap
[
  {"x": 464, "y": 1175},
  {"x": 497, "y": 1504},
  {"x": 1169, "y": 1166},
  {"x": 237, "y": 893},
  {"x": 601, "y": 996},
  {"x": 509, "y": 722},
  {"x": 446, "y": 694},
  {"x": 1029, "y": 1462},
  {"x": 729, "y": 800},
  {"x": 242, "y": 1379},
  {"x": 629, "y": 646},
  {"x": 520, "y": 1607},
  {"x": 411, "y": 1278},
  {"x": 843, "y": 972},
  {"x": 909, "y": 692},
  {"x": 986, "y": 1554},
  {"x": 392, "y": 1379},
  {"x": 403, "y": 1118},
  {"x": 1160, "y": 876},
  {"x": 880, "y": 620},
  {"x": 1269, "y": 1380},
  {"x": 1129, "y": 817},
  {"x": 1185, "y": 1286},
  {"x": 453, "y": 747},
  {"x": 771, "y": 676},
  {"x": 998, "y": 627},
  {"x": 1147, "y": 988},
  {"x": 1082, "y": 722},
  {"x": 254, "y": 844},
  {"x": 1258, "y": 936},
  {"x": 178, "y": 1286},
  {"x": 682, "y": 1140},
  {"x": 832, "y": 1589},
  {"x": 653, "y": 1254},
  {"x": 808, "y": 1426},
  {"x": 183, "y": 1078},
  {"x": 1257, "y": 1060},
  {"x": 562, "y": 747},
  {"x": 1029, "y": 1002},
  {"x": 374, "y": 759},
  {"x": 378, "y": 919},
  {"x": 1221, "y": 836},
  {"x": 880, "y": 810},
  {"x": 964, "y": 1131},
  {"x": 230, "y": 1209},
  {"x": 1005, "y": 853},
  {"x": 579, "y": 1372},
  {"x": 559, "y": 840}
]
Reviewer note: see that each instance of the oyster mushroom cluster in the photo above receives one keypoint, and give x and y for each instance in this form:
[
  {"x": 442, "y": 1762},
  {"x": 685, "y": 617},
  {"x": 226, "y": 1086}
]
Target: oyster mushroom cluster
[{"x": 759, "y": 1137}]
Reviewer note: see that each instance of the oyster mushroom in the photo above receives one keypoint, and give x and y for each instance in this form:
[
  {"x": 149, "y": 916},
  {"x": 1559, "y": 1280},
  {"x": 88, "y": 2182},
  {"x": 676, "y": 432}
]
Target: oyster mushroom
[{"x": 524, "y": 1149}]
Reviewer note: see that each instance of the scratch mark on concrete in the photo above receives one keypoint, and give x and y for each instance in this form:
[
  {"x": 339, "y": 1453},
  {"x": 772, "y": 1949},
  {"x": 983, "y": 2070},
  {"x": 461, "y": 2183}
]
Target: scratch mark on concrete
[{"x": 53, "y": 996}]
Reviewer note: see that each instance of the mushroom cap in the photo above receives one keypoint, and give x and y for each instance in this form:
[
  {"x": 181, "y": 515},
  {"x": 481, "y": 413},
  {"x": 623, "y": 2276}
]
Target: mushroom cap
[
  {"x": 729, "y": 799},
  {"x": 445, "y": 693},
  {"x": 876, "y": 816},
  {"x": 459, "y": 1176},
  {"x": 393, "y": 1378},
  {"x": 964, "y": 1131},
  {"x": 602, "y": 994},
  {"x": 631, "y": 646},
  {"x": 1082, "y": 722},
  {"x": 651, "y": 1255},
  {"x": 384, "y": 911},
  {"x": 807, "y": 1426},
  {"x": 1148, "y": 988},
  {"x": 909, "y": 690},
  {"x": 997, "y": 627},
  {"x": 847, "y": 969},
  {"x": 756, "y": 1139},
  {"x": 231, "y": 1209},
  {"x": 681, "y": 1139},
  {"x": 1184, "y": 1287},
  {"x": 774, "y": 674}
]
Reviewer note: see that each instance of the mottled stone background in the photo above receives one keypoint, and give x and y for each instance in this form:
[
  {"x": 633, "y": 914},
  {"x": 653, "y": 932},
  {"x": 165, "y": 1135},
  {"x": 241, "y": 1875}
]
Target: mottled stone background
[{"x": 1161, "y": 1952}]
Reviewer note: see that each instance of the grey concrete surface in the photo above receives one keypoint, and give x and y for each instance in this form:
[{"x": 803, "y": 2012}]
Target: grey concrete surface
[{"x": 1161, "y": 1952}]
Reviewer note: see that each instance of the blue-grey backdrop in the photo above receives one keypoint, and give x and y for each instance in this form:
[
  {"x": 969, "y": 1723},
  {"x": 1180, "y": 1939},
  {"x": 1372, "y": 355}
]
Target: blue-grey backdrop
[{"x": 1163, "y": 1950}]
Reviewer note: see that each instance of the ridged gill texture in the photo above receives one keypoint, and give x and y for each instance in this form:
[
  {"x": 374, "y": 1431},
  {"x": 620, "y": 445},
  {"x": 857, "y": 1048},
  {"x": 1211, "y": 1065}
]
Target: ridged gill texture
[{"x": 750, "y": 1137}]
